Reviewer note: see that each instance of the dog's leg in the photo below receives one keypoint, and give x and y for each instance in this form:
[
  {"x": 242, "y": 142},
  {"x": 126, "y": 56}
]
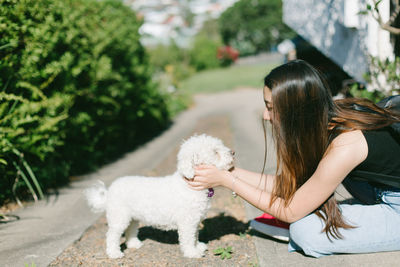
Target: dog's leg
[
  {"x": 132, "y": 241},
  {"x": 117, "y": 223},
  {"x": 201, "y": 246},
  {"x": 188, "y": 236}
]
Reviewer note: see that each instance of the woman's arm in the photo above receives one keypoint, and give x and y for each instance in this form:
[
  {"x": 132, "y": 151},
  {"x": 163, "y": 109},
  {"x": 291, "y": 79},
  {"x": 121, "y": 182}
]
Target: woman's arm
[
  {"x": 264, "y": 182},
  {"x": 344, "y": 154},
  {"x": 257, "y": 180}
]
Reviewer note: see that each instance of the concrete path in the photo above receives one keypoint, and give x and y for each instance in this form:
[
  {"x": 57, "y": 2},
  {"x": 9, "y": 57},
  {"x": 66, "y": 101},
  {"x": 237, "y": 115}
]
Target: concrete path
[{"x": 45, "y": 229}]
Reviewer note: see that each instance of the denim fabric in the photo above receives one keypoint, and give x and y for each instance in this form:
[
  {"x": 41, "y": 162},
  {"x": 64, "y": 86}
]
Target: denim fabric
[{"x": 377, "y": 226}]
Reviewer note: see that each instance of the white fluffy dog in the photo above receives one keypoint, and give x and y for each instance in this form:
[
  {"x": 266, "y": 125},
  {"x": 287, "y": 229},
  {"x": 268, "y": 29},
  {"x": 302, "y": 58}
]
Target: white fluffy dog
[{"x": 163, "y": 202}]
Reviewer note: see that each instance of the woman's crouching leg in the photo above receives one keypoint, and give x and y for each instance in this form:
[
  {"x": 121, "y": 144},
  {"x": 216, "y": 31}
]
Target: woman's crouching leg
[
  {"x": 376, "y": 229},
  {"x": 306, "y": 236}
]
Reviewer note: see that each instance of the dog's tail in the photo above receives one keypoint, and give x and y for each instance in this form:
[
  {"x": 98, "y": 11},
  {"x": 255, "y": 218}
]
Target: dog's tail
[{"x": 97, "y": 197}]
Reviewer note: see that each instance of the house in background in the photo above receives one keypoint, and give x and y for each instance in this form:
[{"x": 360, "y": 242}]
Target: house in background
[{"x": 337, "y": 30}]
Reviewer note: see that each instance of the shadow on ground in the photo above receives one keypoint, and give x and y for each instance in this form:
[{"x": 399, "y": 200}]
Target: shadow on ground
[{"x": 213, "y": 228}]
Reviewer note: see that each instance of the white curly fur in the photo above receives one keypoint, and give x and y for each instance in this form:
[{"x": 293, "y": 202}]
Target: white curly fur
[{"x": 163, "y": 202}]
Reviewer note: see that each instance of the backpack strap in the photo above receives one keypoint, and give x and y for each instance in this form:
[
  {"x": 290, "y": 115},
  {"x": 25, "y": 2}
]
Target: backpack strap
[
  {"x": 392, "y": 103},
  {"x": 379, "y": 178}
]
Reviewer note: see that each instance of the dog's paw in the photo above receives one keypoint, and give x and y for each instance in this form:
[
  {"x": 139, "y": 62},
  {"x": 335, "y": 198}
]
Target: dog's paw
[
  {"x": 134, "y": 243},
  {"x": 201, "y": 246},
  {"x": 193, "y": 253},
  {"x": 115, "y": 254}
]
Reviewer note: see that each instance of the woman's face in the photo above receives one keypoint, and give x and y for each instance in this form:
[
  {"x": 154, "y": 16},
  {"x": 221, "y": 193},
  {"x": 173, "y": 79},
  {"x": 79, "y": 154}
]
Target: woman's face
[{"x": 268, "y": 114}]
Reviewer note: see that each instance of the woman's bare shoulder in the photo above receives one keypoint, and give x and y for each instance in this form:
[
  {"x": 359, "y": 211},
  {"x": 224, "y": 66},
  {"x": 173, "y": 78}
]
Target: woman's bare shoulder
[
  {"x": 350, "y": 144},
  {"x": 348, "y": 138}
]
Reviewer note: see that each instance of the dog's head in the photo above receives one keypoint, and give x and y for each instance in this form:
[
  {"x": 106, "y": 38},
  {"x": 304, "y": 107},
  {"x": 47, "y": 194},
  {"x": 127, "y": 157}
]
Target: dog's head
[{"x": 203, "y": 149}]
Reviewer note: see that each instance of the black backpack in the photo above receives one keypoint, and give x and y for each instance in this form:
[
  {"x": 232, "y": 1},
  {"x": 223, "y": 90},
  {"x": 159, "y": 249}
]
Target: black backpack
[{"x": 392, "y": 103}]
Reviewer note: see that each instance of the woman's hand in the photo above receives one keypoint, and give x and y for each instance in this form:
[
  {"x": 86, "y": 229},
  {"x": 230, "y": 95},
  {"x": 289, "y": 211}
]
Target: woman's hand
[{"x": 207, "y": 176}]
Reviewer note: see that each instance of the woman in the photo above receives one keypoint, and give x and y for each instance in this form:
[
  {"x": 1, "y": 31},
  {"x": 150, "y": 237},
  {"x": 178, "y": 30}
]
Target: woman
[{"x": 319, "y": 143}]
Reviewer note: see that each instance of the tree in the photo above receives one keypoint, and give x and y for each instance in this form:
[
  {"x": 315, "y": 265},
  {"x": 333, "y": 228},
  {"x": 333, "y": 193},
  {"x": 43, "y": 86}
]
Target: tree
[
  {"x": 252, "y": 26},
  {"x": 376, "y": 14}
]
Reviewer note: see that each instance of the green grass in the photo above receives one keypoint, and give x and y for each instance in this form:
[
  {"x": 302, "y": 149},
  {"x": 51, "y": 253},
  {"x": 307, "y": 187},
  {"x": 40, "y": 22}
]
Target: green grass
[{"x": 234, "y": 77}]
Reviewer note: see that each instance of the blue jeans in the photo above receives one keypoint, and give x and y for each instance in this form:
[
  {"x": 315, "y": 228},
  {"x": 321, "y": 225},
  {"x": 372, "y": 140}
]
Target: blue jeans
[{"x": 377, "y": 223}]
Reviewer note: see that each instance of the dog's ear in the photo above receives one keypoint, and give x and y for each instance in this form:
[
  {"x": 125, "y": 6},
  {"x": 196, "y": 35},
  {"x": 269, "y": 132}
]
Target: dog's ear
[
  {"x": 217, "y": 153},
  {"x": 185, "y": 159},
  {"x": 185, "y": 167}
]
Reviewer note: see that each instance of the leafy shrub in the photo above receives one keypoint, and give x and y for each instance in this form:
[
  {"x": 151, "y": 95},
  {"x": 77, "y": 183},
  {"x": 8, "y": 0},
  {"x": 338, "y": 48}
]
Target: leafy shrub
[
  {"x": 203, "y": 51},
  {"x": 359, "y": 91},
  {"x": 173, "y": 64},
  {"x": 203, "y": 54},
  {"x": 172, "y": 61},
  {"x": 164, "y": 55},
  {"x": 76, "y": 88}
]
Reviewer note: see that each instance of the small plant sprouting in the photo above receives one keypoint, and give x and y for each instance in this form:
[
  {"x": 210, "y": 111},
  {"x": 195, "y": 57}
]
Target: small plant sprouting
[
  {"x": 243, "y": 235},
  {"x": 224, "y": 253}
]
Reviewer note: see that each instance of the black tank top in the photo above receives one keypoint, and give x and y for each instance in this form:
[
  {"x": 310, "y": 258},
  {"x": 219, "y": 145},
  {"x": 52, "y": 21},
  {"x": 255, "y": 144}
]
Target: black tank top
[{"x": 383, "y": 152}]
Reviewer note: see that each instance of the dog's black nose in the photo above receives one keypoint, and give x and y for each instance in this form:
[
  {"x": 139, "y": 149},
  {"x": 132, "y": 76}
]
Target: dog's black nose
[{"x": 233, "y": 153}]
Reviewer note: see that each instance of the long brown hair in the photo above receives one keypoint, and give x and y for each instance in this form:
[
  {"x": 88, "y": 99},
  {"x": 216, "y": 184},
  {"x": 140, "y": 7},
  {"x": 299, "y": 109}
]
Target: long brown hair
[{"x": 306, "y": 120}]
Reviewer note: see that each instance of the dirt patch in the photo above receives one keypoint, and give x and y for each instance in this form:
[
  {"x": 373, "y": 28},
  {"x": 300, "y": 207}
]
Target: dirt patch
[{"x": 225, "y": 225}]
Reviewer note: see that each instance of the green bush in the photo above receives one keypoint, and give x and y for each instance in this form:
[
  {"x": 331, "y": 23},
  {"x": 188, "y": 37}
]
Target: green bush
[
  {"x": 171, "y": 64},
  {"x": 203, "y": 54},
  {"x": 174, "y": 64},
  {"x": 355, "y": 90},
  {"x": 163, "y": 55},
  {"x": 76, "y": 89}
]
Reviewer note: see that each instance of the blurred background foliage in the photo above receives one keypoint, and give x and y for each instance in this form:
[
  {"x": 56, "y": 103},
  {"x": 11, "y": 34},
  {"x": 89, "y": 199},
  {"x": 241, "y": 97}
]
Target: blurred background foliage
[
  {"x": 249, "y": 27},
  {"x": 254, "y": 26},
  {"x": 222, "y": 79}
]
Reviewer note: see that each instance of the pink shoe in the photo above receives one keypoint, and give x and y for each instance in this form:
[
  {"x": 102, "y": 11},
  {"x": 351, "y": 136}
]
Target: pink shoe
[{"x": 271, "y": 226}]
